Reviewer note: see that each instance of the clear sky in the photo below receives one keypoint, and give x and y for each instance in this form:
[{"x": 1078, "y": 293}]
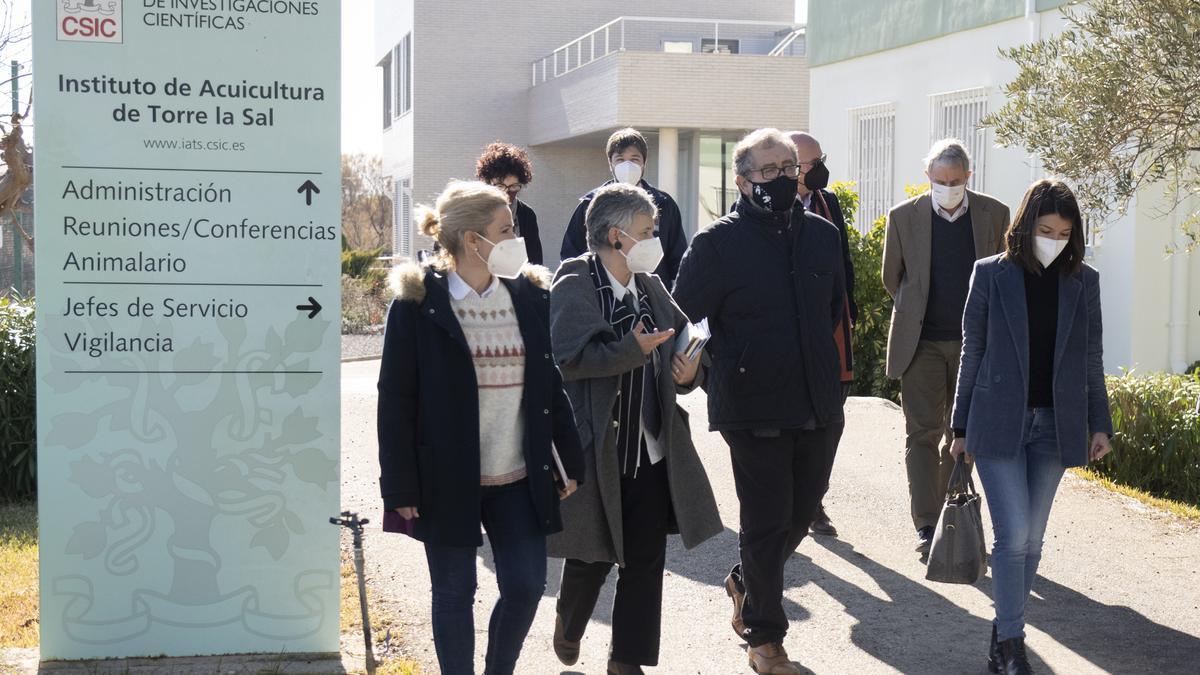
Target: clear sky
[{"x": 361, "y": 89}]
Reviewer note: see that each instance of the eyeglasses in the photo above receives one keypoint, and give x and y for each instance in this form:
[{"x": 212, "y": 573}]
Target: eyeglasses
[
  {"x": 807, "y": 166},
  {"x": 772, "y": 172},
  {"x": 514, "y": 188}
]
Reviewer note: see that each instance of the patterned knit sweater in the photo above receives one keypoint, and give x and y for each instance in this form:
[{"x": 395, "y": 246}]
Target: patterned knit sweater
[{"x": 490, "y": 326}]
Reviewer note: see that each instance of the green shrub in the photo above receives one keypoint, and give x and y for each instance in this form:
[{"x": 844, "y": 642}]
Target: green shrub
[
  {"x": 874, "y": 303},
  {"x": 1157, "y": 443},
  {"x": 358, "y": 263},
  {"x": 18, "y": 399}
]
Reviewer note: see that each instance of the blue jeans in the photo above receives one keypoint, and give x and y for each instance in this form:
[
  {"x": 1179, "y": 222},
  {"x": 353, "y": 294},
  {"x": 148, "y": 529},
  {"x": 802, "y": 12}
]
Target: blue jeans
[
  {"x": 519, "y": 549},
  {"x": 1020, "y": 492}
]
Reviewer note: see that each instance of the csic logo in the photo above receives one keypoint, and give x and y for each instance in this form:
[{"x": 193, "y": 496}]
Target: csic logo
[{"x": 90, "y": 20}]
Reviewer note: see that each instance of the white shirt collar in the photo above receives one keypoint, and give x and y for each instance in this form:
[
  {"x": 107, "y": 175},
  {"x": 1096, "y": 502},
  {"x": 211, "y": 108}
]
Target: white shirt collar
[
  {"x": 806, "y": 200},
  {"x": 460, "y": 289},
  {"x": 951, "y": 217},
  {"x": 619, "y": 291}
]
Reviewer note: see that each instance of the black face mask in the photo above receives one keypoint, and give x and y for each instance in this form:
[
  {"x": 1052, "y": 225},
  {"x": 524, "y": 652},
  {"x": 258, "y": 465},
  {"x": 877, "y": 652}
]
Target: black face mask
[
  {"x": 817, "y": 177},
  {"x": 776, "y": 195}
]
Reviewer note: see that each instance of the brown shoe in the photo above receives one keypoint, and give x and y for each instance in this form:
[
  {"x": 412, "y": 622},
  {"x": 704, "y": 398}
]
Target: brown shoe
[
  {"x": 566, "y": 650},
  {"x": 738, "y": 596},
  {"x": 771, "y": 659},
  {"x": 618, "y": 668},
  {"x": 821, "y": 523}
]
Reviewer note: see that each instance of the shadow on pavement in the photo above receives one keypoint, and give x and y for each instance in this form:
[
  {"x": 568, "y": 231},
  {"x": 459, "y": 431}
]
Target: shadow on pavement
[
  {"x": 1113, "y": 638},
  {"x": 913, "y": 629}
]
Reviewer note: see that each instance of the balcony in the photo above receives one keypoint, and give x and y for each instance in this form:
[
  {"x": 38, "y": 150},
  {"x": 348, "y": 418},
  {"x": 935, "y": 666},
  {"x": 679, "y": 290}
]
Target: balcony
[{"x": 670, "y": 72}]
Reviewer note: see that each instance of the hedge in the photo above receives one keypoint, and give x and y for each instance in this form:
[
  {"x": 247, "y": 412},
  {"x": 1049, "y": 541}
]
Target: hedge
[{"x": 18, "y": 400}]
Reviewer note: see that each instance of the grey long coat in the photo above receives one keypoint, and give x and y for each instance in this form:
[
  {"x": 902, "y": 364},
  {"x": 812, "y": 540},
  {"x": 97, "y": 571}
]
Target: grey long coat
[{"x": 591, "y": 369}]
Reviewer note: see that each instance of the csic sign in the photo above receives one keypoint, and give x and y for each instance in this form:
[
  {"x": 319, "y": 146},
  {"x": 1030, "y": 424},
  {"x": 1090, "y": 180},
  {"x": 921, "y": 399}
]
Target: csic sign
[{"x": 89, "y": 20}]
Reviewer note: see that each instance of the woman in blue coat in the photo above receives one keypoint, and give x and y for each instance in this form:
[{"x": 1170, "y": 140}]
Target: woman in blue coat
[
  {"x": 1031, "y": 400},
  {"x": 474, "y": 424}
]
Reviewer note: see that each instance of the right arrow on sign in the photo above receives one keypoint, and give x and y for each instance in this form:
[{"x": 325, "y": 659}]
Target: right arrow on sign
[
  {"x": 308, "y": 188},
  {"x": 313, "y": 308}
]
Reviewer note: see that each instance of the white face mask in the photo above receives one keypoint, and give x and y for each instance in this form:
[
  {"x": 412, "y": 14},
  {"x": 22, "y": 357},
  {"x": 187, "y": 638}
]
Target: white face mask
[
  {"x": 1047, "y": 250},
  {"x": 507, "y": 258},
  {"x": 644, "y": 255},
  {"x": 947, "y": 196},
  {"x": 627, "y": 172}
]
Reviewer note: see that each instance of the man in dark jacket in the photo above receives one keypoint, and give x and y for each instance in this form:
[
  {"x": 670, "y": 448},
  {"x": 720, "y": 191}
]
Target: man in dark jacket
[
  {"x": 626, "y": 151},
  {"x": 769, "y": 279},
  {"x": 814, "y": 178}
]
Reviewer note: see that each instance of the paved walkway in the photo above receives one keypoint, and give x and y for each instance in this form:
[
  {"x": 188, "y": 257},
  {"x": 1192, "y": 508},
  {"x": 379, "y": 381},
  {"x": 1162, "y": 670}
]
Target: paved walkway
[{"x": 1120, "y": 586}]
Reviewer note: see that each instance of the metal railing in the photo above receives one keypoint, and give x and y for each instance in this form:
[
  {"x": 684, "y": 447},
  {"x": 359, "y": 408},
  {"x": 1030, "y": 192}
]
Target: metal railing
[{"x": 611, "y": 38}]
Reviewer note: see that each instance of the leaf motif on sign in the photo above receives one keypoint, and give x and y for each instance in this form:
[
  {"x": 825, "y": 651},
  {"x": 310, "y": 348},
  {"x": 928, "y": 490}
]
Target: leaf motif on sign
[
  {"x": 300, "y": 429},
  {"x": 72, "y": 430},
  {"x": 275, "y": 539},
  {"x": 94, "y": 478},
  {"x": 312, "y": 466},
  {"x": 88, "y": 540}
]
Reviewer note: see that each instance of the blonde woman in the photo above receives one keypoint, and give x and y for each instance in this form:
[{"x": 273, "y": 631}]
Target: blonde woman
[{"x": 474, "y": 424}]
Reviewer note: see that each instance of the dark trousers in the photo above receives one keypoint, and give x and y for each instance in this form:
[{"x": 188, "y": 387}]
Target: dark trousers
[
  {"x": 637, "y": 607},
  {"x": 780, "y": 481},
  {"x": 519, "y": 549}
]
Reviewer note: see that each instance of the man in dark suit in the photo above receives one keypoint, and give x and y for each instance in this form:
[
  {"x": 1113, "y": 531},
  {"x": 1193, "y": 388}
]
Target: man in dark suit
[
  {"x": 627, "y": 153},
  {"x": 814, "y": 178}
]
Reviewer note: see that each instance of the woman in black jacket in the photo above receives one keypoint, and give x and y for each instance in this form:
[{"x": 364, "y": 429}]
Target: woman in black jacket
[
  {"x": 474, "y": 424},
  {"x": 508, "y": 168}
]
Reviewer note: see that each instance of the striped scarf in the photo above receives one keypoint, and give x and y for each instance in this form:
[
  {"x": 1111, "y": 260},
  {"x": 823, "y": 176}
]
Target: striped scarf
[{"x": 629, "y": 414}]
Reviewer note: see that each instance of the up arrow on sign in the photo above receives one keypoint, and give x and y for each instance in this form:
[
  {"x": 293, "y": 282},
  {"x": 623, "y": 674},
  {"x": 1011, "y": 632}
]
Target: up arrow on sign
[{"x": 308, "y": 188}]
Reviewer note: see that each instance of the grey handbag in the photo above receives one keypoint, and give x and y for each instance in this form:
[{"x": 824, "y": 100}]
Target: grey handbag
[{"x": 958, "y": 554}]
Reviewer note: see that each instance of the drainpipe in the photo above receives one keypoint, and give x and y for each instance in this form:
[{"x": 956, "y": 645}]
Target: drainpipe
[
  {"x": 1178, "y": 326},
  {"x": 1033, "y": 22}
]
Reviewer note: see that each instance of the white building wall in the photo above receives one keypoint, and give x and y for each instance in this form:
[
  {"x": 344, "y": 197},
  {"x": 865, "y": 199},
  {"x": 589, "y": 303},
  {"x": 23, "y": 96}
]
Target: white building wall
[{"x": 1135, "y": 276}]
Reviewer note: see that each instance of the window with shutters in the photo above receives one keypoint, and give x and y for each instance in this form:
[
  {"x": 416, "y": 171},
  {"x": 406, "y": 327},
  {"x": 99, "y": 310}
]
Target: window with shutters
[
  {"x": 402, "y": 67},
  {"x": 957, "y": 114},
  {"x": 386, "y": 66},
  {"x": 402, "y": 234},
  {"x": 872, "y": 160}
]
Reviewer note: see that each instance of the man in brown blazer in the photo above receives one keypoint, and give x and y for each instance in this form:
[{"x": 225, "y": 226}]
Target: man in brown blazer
[{"x": 932, "y": 243}]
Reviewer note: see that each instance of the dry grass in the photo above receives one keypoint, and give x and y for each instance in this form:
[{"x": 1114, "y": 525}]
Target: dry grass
[
  {"x": 382, "y": 621},
  {"x": 1180, "y": 509},
  {"x": 18, "y": 575}
]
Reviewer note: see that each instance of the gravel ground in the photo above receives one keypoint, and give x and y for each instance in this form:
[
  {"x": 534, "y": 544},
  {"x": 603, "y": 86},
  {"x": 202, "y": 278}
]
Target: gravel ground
[{"x": 361, "y": 346}]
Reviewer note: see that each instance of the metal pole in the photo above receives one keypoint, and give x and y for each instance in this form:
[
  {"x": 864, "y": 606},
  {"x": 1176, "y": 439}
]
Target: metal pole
[
  {"x": 351, "y": 521},
  {"x": 16, "y": 96},
  {"x": 18, "y": 263}
]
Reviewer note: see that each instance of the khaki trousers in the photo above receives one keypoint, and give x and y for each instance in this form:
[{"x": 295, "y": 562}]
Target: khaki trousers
[{"x": 927, "y": 396}]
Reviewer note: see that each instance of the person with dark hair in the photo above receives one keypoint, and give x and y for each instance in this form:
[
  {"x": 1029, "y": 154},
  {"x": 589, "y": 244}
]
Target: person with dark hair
[
  {"x": 508, "y": 167},
  {"x": 627, "y": 153},
  {"x": 1031, "y": 399},
  {"x": 931, "y": 243}
]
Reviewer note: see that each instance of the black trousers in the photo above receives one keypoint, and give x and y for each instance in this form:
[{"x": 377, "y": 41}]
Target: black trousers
[
  {"x": 637, "y": 607},
  {"x": 780, "y": 481}
]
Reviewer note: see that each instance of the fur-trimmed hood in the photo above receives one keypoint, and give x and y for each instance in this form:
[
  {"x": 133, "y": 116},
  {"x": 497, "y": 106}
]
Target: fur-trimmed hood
[{"x": 407, "y": 280}]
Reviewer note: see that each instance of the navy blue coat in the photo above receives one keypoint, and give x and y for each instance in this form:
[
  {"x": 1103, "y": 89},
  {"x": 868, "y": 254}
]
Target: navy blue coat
[
  {"x": 668, "y": 227},
  {"x": 428, "y": 417},
  {"x": 993, "y": 378}
]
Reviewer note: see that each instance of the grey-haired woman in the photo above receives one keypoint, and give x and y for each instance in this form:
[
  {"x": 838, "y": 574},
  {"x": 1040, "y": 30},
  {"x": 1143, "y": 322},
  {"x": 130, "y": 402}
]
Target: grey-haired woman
[{"x": 616, "y": 334}]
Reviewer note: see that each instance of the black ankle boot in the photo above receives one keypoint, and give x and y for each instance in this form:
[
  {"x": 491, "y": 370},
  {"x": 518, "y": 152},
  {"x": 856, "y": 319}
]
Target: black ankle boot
[
  {"x": 994, "y": 665},
  {"x": 1013, "y": 660}
]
